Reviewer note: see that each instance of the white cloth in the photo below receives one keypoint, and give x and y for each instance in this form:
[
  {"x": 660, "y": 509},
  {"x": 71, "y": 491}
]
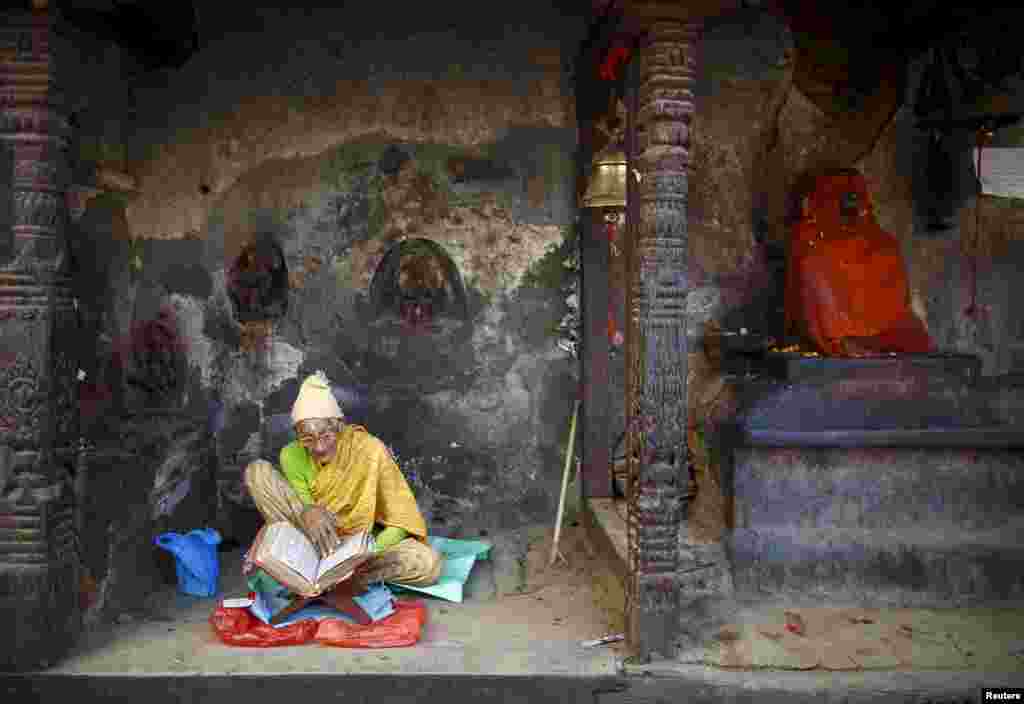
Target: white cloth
[{"x": 315, "y": 400}]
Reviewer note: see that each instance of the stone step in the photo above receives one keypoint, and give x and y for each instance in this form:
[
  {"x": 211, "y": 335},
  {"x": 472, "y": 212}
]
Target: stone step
[
  {"x": 659, "y": 681},
  {"x": 796, "y": 368},
  {"x": 273, "y": 688},
  {"x": 908, "y": 567},
  {"x": 877, "y": 488},
  {"x": 843, "y": 405}
]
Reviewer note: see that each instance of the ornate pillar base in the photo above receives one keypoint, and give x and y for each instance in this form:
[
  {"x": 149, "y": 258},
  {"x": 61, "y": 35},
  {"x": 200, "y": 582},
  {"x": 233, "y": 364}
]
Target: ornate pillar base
[{"x": 40, "y": 615}]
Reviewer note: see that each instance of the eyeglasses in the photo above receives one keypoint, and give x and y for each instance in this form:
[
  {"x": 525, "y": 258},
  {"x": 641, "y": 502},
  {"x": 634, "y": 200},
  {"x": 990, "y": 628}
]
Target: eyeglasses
[
  {"x": 311, "y": 440},
  {"x": 312, "y": 431}
]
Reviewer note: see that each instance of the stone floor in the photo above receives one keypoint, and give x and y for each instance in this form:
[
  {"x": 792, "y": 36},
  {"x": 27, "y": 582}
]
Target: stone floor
[
  {"x": 773, "y": 637},
  {"x": 852, "y": 639},
  {"x": 536, "y": 632}
]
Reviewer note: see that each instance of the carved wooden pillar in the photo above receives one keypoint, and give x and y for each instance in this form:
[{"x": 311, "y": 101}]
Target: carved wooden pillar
[
  {"x": 40, "y": 615},
  {"x": 656, "y": 334}
]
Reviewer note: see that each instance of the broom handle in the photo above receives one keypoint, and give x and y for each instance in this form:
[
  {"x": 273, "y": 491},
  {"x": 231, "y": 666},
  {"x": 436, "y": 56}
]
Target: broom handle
[{"x": 565, "y": 483}]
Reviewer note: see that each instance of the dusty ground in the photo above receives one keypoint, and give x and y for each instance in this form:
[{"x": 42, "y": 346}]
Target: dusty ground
[
  {"x": 990, "y": 639},
  {"x": 577, "y": 598}
]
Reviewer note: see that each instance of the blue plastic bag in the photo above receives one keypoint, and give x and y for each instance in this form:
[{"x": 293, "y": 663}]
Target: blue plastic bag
[{"x": 195, "y": 559}]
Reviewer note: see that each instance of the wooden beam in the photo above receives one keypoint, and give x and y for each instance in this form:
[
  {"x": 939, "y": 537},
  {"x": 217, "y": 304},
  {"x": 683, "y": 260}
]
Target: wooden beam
[
  {"x": 648, "y": 11},
  {"x": 596, "y": 431},
  {"x": 592, "y": 97}
]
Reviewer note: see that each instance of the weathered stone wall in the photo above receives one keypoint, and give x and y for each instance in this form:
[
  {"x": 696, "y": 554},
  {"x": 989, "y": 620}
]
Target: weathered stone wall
[
  {"x": 336, "y": 150},
  {"x": 95, "y": 78},
  {"x": 159, "y": 477},
  {"x": 322, "y": 79}
]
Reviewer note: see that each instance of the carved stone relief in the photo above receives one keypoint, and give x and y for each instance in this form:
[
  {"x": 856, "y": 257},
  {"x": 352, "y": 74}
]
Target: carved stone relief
[
  {"x": 154, "y": 363},
  {"x": 418, "y": 315},
  {"x": 22, "y": 407}
]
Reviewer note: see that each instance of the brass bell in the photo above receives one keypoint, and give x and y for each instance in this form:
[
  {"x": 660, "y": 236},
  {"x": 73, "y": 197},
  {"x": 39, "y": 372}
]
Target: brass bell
[{"x": 607, "y": 187}]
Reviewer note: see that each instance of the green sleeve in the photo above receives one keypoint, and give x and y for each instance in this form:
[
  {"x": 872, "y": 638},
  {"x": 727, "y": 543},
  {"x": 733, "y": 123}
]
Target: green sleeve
[
  {"x": 392, "y": 535},
  {"x": 298, "y": 470}
]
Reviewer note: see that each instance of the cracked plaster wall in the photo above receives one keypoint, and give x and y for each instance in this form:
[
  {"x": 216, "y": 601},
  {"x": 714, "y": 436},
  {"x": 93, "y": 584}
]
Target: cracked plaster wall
[{"x": 275, "y": 134}]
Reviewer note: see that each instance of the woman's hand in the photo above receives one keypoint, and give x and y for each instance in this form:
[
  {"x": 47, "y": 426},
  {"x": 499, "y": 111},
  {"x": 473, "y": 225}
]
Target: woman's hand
[{"x": 320, "y": 526}]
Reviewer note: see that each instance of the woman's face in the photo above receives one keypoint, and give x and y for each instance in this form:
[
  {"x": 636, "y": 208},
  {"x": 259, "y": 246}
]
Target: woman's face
[{"x": 319, "y": 436}]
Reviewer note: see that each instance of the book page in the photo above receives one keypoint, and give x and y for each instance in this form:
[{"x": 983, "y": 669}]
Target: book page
[
  {"x": 351, "y": 546},
  {"x": 287, "y": 544}
]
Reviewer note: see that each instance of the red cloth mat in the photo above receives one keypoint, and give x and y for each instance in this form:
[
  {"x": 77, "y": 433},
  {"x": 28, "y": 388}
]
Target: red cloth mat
[
  {"x": 402, "y": 628},
  {"x": 239, "y": 627}
]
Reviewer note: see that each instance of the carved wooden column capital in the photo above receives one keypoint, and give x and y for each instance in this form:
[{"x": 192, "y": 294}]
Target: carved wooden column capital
[
  {"x": 35, "y": 134},
  {"x": 37, "y": 315}
]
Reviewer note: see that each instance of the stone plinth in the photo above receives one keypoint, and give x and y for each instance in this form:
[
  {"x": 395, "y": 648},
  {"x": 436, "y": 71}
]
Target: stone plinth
[
  {"x": 39, "y": 572},
  {"x": 796, "y": 368},
  {"x": 886, "y": 482},
  {"x": 906, "y": 527},
  {"x": 818, "y": 394}
]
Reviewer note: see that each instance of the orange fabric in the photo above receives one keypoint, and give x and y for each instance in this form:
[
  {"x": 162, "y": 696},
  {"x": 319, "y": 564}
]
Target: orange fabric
[
  {"x": 846, "y": 279},
  {"x": 399, "y": 630}
]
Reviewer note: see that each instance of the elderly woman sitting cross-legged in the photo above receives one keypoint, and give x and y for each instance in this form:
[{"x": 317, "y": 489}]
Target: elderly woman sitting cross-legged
[{"x": 338, "y": 479}]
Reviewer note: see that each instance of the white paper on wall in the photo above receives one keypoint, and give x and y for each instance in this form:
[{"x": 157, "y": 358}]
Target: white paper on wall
[{"x": 1002, "y": 171}]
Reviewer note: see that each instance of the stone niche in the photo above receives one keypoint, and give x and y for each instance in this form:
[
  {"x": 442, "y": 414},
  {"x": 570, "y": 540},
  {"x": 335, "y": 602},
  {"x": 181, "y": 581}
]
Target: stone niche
[
  {"x": 258, "y": 282},
  {"x": 418, "y": 316}
]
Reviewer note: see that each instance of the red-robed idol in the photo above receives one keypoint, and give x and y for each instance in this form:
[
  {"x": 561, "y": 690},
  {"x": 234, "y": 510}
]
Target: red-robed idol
[{"x": 846, "y": 286}]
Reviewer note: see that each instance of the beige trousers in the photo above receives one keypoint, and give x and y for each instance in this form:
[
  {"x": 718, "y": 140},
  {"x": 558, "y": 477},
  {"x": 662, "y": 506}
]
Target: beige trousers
[{"x": 409, "y": 562}]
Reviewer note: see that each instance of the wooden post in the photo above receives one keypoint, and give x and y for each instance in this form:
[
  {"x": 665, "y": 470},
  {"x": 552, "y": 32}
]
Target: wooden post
[
  {"x": 660, "y": 285},
  {"x": 596, "y": 435},
  {"x": 595, "y": 414}
]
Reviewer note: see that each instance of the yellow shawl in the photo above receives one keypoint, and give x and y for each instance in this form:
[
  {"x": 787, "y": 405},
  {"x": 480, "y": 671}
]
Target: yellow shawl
[{"x": 362, "y": 485}]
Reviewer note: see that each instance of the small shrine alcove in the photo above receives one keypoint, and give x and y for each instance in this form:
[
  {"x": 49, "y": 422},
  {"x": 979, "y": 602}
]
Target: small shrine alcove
[
  {"x": 419, "y": 316},
  {"x": 258, "y": 282}
]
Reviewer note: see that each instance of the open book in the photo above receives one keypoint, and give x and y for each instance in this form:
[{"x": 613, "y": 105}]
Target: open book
[{"x": 288, "y": 556}]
